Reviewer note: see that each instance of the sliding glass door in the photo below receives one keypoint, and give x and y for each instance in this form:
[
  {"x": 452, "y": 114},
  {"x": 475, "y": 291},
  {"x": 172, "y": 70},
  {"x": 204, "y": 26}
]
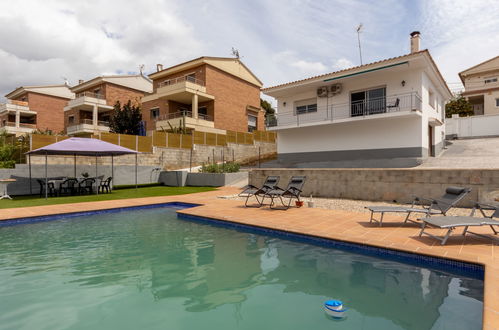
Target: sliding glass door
[{"x": 368, "y": 102}]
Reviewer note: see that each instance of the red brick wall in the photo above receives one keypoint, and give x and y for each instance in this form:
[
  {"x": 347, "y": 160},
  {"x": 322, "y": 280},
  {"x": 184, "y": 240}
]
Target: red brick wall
[
  {"x": 49, "y": 111},
  {"x": 146, "y": 112},
  {"x": 232, "y": 95},
  {"x": 123, "y": 94}
]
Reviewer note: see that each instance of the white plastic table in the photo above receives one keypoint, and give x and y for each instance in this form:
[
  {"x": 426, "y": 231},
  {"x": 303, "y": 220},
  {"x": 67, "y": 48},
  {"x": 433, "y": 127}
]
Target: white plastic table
[{"x": 3, "y": 187}]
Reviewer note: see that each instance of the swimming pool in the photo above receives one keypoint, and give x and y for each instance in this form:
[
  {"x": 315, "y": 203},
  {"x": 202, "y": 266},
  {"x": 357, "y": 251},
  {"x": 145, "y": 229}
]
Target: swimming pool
[{"x": 146, "y": 269}]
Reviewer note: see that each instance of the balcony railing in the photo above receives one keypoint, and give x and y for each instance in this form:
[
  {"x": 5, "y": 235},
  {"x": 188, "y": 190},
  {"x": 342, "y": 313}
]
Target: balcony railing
[
  {"x": 335, "y": 112},
  {"x": 90, "y": 94},
  {"x": 90, "y": 122},
  {"x": 16, "y": 102},
  {"x": 13, "y": 124},
  {"x": 179, "y": 80},
  {"x": 182, "y": 114}
]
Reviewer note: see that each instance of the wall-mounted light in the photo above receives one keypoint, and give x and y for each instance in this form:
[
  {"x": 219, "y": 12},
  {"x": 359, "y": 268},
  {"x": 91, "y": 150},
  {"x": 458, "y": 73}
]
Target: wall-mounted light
[
  {"x": 403, "y": 83},
  {"x": 284, "y": 103}
]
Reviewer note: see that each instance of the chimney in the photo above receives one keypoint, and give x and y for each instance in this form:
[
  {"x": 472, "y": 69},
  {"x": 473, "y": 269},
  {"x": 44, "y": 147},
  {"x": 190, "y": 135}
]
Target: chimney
[
  {"x": 80, "y": 81},
  {"x": 415, "y": 39},
  {"x": 159, "y": 67}
]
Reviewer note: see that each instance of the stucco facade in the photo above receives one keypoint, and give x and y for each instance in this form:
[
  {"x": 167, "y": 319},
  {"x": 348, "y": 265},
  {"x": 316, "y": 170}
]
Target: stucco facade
[
  {"x": 389, "y": 113},
  {"x": 481, "y": 84}
]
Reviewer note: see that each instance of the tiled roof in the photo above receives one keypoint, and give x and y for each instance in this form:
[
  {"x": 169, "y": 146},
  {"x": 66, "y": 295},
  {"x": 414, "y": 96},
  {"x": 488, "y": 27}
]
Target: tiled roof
[{"x": 346, "y": 70}]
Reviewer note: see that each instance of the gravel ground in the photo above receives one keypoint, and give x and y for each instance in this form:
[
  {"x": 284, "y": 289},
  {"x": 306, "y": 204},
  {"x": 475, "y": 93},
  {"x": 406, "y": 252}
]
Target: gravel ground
[{"x": 354, "y": 205}]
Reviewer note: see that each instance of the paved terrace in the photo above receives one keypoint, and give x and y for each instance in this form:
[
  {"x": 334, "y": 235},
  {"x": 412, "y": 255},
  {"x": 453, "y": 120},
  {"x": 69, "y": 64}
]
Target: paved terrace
[{"x": 333, "y": 224}]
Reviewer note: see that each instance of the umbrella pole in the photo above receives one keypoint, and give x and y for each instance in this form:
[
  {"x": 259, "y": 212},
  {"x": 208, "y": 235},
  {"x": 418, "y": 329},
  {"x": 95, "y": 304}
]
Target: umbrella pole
[
  {"x": 136, "y": 172},
  {"x": 96, "y": 172},
  {"x": 112, "y": 173},
  {"x": 46, "y": 177},
  {"x": 74, "y": 164},
  {"x": 30, "y": 184}
]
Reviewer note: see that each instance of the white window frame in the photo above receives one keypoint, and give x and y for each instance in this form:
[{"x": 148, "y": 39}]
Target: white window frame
[
  {"x": 303, "y": 107},
  {"x": 490, "y": 80},
  {"x": 150, "y": 113}
]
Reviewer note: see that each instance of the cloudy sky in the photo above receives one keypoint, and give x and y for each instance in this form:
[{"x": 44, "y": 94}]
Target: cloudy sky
[{"x": 44, "y": 42}]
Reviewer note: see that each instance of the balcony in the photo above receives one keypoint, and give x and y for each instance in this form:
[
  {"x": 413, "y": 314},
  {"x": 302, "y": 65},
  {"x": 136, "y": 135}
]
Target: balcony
[
  {"x": 180, "y": 90},
  {"x": 203, "y": 123},
  {"x": 386, "y": 107},
  {"x": 10, "y": 127},
  {"x": 87, "y": 101},
  {"x": 85, "y": 126},
  {"x": 13, "y": 106}
]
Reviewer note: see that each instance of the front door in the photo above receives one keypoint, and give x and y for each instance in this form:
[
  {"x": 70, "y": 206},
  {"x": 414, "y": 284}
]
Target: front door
[{"x": 431, "y": 152}]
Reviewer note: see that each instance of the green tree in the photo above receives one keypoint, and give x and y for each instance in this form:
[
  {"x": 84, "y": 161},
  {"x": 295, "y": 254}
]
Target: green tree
[
  {"x": 269, "y": 111},
  {"x": 125, "y": 119},
  {"x": 458, "y": 105}
]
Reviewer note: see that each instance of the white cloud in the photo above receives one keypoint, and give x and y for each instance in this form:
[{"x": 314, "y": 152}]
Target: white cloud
[
  {"x": 279, "y": 40},
  {"x": 342, "y": 63},
  {"x": 41, "y": 42},
  {"x": 460, "y": 34}
]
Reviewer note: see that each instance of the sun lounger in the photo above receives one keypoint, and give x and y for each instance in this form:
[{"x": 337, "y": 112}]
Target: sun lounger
[
  {"x": 292, "y": 191},
  {"x": 253, "y": 191},
  {"x": 452, "y": 222},
  {"x": 433, "y": 206}
]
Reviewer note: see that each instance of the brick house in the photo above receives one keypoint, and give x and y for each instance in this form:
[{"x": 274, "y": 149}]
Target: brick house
[
  {"x": 89, "y": 112},
  {"x": 210, "y": 94},
  {"x": 35, "y": 107}
]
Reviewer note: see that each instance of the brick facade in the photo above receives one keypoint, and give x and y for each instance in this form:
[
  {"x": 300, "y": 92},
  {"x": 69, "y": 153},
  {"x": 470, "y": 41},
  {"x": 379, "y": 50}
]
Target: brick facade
[
  {"x": 112, "y": 93},
  {"x": 232, "y": 96},
  {"x": 49, "y": 110},
  {"x": 228, "y": 109}
]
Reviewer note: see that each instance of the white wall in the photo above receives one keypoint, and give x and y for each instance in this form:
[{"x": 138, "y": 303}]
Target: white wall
[
  {"x": 436, "y": 110},
  {"x": 473, "y": 126},
  {"x": 357, "y": 135},
  {"x": 390, "y": 78}
]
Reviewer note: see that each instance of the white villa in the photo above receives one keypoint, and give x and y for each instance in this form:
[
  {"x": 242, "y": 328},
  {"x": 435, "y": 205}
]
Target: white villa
[{"x": 388, "y": 113}]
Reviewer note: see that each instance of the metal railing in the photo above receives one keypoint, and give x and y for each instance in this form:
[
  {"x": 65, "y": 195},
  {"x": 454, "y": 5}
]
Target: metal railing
[
  {"x": 16, "y": 102},
  {"x": 181, "y": 114},
  {"x": 91, "y": 94},
  {"x": 13, "y": 124},
  {"x": 90, "y": 122},
  {"x": 335, "y": 112},
  {"x": 179, "y": 80}
]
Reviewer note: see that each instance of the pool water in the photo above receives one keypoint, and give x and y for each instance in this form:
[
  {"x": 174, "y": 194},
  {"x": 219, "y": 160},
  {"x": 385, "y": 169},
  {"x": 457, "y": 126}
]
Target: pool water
[{"x": 146, "y": 269}]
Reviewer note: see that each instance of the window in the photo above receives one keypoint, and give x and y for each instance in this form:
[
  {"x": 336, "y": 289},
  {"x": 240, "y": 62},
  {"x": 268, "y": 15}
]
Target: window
[
  {"x": 191, "y": 77},
  {"x": 252, "y": 123},
  {"x": 203, "y": 113},
  {"x": 97, "y": 92},
  {"x": 368, "y": 102},
  {"x": 305, "y": 106},
  {"x": 497, "y": 102},
  {"x": 490, "y": 80},
  {"x": 431, "y": 98},
  {"x": 154, "y": 113},
  {"x": 71, "y": 119}
]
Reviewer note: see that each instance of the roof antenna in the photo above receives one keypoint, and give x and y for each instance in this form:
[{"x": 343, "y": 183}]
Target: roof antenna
[
  {"x": 235, "y": 53},
  {"x": 359, "y": 30},
  {"x": 141, "y": 69},
  {"x": 66, "y": 82}
]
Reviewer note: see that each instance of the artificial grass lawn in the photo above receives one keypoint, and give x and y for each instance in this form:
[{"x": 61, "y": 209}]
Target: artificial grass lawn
[{"x": 26, "y": 201}]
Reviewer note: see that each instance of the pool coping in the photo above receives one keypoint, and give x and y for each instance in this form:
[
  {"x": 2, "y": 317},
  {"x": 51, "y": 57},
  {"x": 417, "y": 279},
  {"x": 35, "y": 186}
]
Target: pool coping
[{"x": 202, "y": 200}]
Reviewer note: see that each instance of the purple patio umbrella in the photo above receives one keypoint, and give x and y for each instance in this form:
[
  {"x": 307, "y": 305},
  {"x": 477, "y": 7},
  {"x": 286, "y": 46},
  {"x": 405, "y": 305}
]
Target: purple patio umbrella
[{"x": 82, "y": 147}]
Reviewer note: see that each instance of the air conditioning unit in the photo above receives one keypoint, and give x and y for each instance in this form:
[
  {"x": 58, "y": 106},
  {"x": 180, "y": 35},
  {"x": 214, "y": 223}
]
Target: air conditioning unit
[
  {"x": 322, "y": 91},
  {"x": 335, "y": 89}
]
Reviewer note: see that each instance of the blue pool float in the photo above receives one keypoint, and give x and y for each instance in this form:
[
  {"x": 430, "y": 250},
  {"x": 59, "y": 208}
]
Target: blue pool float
[{"x": 335, "y": 309}]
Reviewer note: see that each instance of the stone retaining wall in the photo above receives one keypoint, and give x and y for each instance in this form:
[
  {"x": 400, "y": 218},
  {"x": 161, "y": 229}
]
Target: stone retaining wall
[
  {"x": 173, "y": 158},
  {"x": 388, "y": 184}
]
